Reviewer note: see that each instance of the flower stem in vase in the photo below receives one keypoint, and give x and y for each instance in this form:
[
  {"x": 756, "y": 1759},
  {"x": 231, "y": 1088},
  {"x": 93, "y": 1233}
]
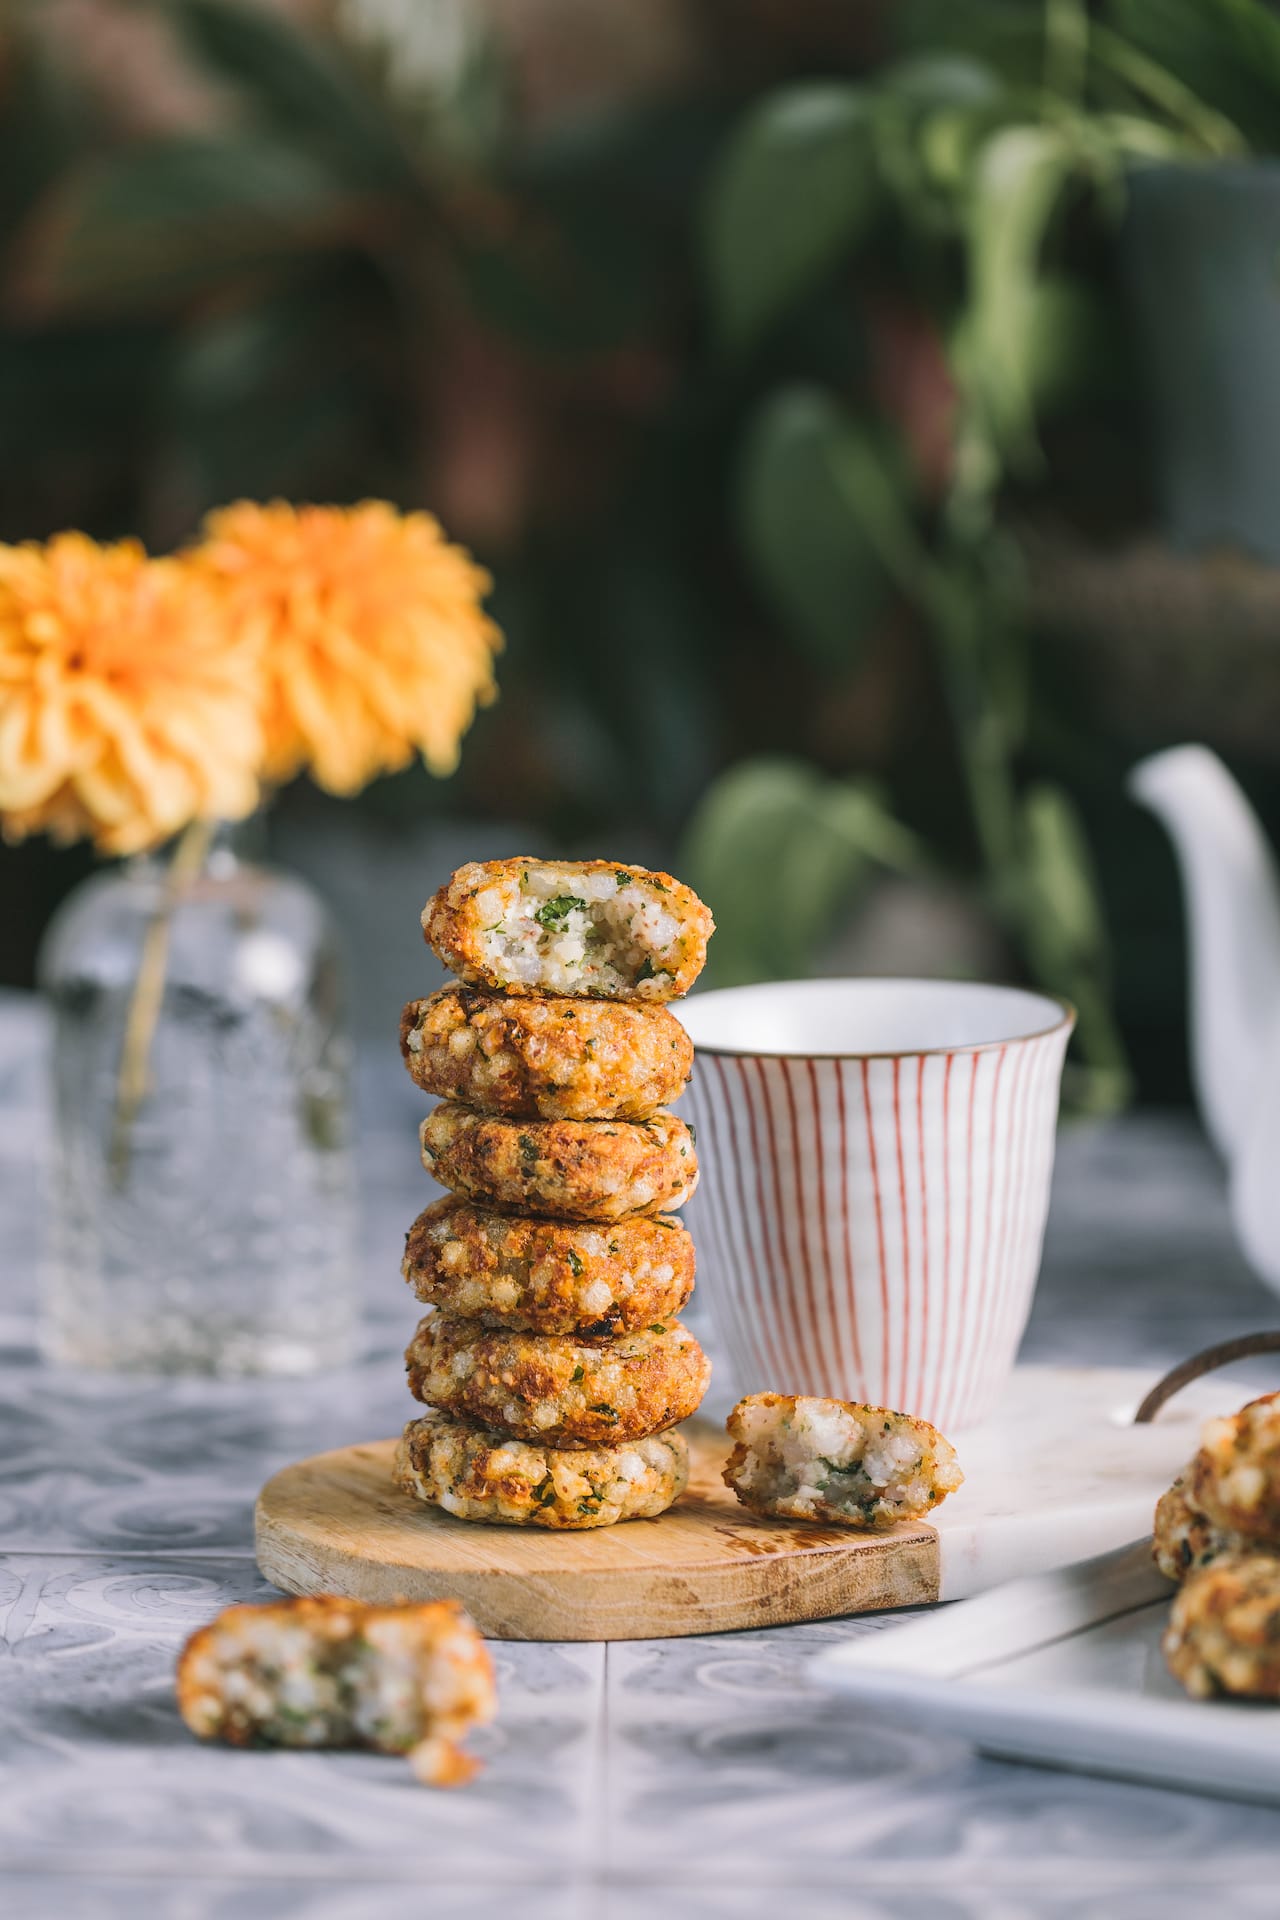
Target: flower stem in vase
[{"x": 133, "y": 1080}]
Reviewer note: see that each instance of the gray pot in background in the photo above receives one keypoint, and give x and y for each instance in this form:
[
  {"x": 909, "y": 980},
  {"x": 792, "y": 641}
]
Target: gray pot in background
[{"x": 1200, "y": 258}]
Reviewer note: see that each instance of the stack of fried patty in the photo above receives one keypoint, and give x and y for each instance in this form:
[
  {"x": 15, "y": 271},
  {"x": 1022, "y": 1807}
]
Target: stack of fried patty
[
  {"x": 1217, "y": 1533},
  {"x": 552, "y": 1362}
]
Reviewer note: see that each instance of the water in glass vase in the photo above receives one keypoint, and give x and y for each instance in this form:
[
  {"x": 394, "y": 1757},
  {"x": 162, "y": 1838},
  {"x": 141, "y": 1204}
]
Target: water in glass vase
[{"x": 203, "y": 1190}]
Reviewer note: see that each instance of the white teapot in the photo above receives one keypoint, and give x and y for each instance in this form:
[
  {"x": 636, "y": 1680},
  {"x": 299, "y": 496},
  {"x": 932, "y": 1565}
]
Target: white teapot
[{"x": 1232, "y": 891}]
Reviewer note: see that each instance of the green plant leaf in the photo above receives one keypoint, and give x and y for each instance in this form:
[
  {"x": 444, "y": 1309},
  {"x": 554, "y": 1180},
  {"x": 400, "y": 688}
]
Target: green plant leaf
[
  {"x": 1029, "y": 332},
  {"x": 1017, "y": 184},
  {"x": 778, "y": 850},
  {"x": 794, "y": 193},
  {"x": 872, "y": 481},
  {"x": 930, "y": 113},
  {"x": 1224, "y": 53},
  {"x": 1008, "y": 35},
  {"x": 1060, "y": 875},
  {"x": 809, "y": 485},
  {"x": 1064, "y": 935},
  {"x": 303, "y": 87},
  {"x": 1059, "y": 333},
  {"x": 928, "y": 81},
  {"x": 155, "y": 223}
]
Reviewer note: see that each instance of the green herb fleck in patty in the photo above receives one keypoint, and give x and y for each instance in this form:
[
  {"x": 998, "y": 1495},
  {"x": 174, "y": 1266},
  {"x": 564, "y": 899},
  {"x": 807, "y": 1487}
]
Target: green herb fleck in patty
[{"x": 554, "y": 914}]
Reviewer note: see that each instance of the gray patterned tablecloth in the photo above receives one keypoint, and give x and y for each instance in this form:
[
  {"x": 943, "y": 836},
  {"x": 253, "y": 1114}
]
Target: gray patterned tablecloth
[{"x": 696, "y": 1778}]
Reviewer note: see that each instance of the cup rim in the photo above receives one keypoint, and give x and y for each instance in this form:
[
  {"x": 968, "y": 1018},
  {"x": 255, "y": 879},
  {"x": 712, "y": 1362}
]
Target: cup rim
[{"x": 1066, "y": 1021}]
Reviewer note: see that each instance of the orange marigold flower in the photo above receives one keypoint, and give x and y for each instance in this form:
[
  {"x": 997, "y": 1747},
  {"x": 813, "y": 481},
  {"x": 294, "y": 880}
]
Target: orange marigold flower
[
  {"x": 374, "y": 642},
  {"x": 128, "y": 705}
]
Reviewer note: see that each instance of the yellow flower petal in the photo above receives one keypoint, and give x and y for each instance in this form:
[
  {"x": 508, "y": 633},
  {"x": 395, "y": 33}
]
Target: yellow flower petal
[
  {"x": 374, "y": 641},
  {"x": 127, "y": 694}
]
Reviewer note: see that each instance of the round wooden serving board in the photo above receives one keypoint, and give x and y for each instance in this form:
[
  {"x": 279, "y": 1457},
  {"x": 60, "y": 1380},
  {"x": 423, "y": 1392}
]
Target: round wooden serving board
[
  {"x": 337, "y": 1523},
  {"x": 1059, "y": 1473}
]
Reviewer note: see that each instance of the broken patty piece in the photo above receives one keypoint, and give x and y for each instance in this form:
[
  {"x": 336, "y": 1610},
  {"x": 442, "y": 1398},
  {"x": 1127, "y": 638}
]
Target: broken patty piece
[
  {"x": 590, "y": 927},
  {"x": 1184, "y": 1539},
  {"x": 1235, "y": 1477},
  {"x": 1224, "y": 1628},
  {"x": 326, "y": 1672},
  {"x": 803, "y": 1458}
]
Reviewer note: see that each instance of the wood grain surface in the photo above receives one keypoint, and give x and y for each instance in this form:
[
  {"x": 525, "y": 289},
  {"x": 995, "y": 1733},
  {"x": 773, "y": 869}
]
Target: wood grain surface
[{"x": 338, "y": 1524}]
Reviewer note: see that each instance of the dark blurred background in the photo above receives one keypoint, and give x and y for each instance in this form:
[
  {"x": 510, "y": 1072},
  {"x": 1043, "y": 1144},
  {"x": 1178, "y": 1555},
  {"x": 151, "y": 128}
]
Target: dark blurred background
[{"x": 870, "y": 413}]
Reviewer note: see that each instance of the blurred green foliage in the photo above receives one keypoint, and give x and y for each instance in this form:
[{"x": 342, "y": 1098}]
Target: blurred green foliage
[
  {"x": 983, "y": 163},
  {"x": 737, "y": 380},
  {"x": 787, "y": 848}
]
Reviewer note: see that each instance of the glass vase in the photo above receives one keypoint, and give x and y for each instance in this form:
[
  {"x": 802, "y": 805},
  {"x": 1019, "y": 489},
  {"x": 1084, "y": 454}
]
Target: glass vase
[{"x": 203, "y": 1193}]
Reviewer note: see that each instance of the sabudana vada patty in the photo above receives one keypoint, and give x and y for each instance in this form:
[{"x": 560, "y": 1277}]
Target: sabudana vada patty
[
  {"x": 589, "y": 927},
  {"x": 485, "y": 1476},
  {"x": 325, "y": 1672},
  {"x": 549, "y": 1276},
  {"x": 1223, "y": 1634},
  {"x": 552, "y": 1387},
  {"x": 550, "y": 1059},
  {"x": 1235, "y": 1477},
  {"x": 575, "y": 1169},
  {"x": 1183, "y": 1538},
  {"x": 803, "y": 1458}
]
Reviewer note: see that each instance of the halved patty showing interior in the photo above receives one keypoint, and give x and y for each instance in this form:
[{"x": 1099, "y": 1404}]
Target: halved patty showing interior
[
  {"x": 806, "y": 1458},
  {"x": 592, "y": 927}
]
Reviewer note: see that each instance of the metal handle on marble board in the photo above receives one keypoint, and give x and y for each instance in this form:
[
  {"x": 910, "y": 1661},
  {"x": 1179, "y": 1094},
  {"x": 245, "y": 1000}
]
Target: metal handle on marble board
[{"x": 1222, "y": 1355}]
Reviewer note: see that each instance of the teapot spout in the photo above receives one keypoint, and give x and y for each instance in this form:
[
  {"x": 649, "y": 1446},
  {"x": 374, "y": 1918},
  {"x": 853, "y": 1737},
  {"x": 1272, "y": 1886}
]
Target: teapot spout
[{"x": 1232, "y": 894}]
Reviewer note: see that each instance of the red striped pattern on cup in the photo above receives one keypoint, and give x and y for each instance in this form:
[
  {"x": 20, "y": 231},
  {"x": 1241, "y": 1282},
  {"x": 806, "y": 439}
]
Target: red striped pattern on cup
[{"x": 870, "y": 1226}]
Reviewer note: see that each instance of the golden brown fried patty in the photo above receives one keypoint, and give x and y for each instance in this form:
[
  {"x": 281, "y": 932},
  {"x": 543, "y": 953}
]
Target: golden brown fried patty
[
  {"x": 549, "y": 1276},
  {"x": 569, "y": 927},
  {"x": 1183, "y": 1538},
  {"x": 553, "y": 1059},
  {"x": 485, "y": 1476},
  {"x": 553, "y": 1388},
  {"x": 324, "y": 1672},
  {"x": 1224, "y": 1628},
  {"x": 571, "y": 1169},
  {"x": 806, "y": 1458},
  {"x": 1235, "y": 1477}
]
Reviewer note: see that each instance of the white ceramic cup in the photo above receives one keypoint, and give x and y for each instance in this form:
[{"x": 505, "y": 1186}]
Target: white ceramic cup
[{"x": 875, "y": 1159}]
